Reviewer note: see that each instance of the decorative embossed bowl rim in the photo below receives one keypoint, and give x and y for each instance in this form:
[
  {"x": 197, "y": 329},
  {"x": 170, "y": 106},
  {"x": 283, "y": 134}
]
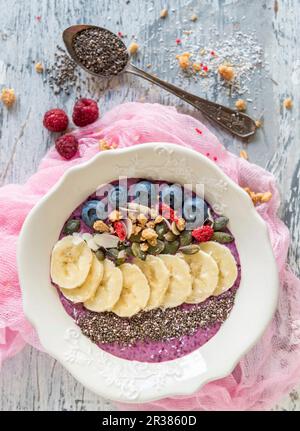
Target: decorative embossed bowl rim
[{"x": 132, "y": 381}]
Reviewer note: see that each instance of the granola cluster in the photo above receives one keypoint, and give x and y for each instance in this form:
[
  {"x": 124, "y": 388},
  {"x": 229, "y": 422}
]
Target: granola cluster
[
  {"x": 8, "y": 97},
  {"x": 258, "y": 198}
]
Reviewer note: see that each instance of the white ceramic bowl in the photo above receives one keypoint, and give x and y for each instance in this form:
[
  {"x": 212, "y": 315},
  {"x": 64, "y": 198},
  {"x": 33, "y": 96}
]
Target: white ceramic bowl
[{"x": 131, "y": 381}]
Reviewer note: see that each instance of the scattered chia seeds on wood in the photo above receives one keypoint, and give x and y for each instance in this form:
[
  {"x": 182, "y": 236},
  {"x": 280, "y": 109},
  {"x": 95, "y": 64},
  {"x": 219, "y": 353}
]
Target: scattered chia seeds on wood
[
  {"x": 64, "y": 74},
  {"x": 100, "y": 51},
  {"x": 155, "y": 325}
]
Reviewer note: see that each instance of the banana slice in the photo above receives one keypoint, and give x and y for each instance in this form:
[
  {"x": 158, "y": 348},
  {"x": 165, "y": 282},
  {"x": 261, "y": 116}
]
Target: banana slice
[
  {"x": 109, "y": 290},
  {"x": 135, "y": 293},
  {"x": 158, "y": 276},
  {"x": 89, "y": 287},
  {"x": 205, "y": 274},
  {"x": 180, "y": 283},
  {"x": 226, "y": 262},
  {"x": 70, "y": 262}
]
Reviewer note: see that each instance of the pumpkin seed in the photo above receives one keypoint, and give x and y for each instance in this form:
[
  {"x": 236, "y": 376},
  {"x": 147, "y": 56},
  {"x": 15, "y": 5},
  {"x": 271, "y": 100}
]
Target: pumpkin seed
[
  {"x": 222, "y": 237},
  {"x": 128, "y": 251},
  {"x": 113, "y": 253},
  {"x": 171, "y": 247},
  {"x": 174, "y": 229},
  {"x": 137, "y": 252},
  {"x": 169, "y": 236},
  {"x": 100, "y": 254},
  {"x": 161, "y": 229},
  {"x": 156, "y": 249},
  {"x": 120, "y": 261},
  {"x": 71, "y": 226},
  {"x": 135, "y": 238},
  {"x": 185, "y": 238},
  {"x": 190, "y": 249},
  {"x": 220, "y": 223}
]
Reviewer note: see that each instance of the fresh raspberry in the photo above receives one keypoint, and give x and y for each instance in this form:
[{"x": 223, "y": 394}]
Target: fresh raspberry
[
  {"x": 120, "y": 230},
  {"x": 56, "y": 120},
  {"x": 203, "y": 233},
  {"x": 66, "y": 146},
  {"x": 85, "y": 112}
]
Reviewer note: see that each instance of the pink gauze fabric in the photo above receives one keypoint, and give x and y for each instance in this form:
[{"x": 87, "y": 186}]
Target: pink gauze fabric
[{"x": 272, "y": 367}]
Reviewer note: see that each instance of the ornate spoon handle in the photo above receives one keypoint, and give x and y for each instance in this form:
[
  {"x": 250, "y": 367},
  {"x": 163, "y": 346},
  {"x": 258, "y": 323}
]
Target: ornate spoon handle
[{"x": 236, "y": 122}]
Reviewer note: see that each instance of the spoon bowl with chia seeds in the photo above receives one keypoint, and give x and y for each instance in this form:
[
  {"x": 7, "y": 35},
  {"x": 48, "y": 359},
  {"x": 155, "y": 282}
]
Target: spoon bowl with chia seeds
[{"x": 103, "y": 54}]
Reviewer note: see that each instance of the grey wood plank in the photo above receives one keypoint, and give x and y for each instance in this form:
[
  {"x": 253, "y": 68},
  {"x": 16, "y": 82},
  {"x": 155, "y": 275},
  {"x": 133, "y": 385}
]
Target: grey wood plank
[{"x": 32, "y": 380}]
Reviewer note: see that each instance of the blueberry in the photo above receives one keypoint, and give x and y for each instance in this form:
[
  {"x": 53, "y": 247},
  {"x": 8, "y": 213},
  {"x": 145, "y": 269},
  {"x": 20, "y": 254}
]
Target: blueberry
[
  {"x": 117, "y": 196},
  {"x": 93, "y": 210},
  {"x": 144, "y": 192},
  {"x": 172, "y": 196},
  {"x": 195, "y": 210}
]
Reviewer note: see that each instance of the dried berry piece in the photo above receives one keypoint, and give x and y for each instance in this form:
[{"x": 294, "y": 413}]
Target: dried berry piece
[
  {"x": 168, "y": 213},
  {"x": 203, "y": 233},
  {"x": 120, "y": 230}
]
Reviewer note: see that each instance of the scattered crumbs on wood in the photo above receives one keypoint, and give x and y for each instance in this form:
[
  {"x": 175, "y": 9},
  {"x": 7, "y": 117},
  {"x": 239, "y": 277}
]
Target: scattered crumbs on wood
[
  {"x": 164, "y": 13},
  {"x": 133, "y": 48},
  {"x": 241, "y": 105},
  {"x": 39, "y": 68},
  {"x": 8, "y": 97},
  {"x": 244, "y": 154},
  {"x": 288, "y": 103}
]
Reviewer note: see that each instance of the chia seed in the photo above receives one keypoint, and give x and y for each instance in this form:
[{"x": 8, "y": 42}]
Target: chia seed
[
  {"x": 157, "y": 324},
  {"x": 100, "y": 51},
  {"x": 63, "y": 74}
]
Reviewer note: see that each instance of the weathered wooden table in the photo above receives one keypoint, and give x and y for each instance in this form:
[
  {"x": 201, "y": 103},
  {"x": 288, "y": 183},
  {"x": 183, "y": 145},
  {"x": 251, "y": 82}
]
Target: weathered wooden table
[{"x": 29, "y": 32}]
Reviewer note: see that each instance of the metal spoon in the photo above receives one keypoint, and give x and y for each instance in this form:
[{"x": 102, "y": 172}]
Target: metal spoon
[{"x": 237, "y": 123}]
